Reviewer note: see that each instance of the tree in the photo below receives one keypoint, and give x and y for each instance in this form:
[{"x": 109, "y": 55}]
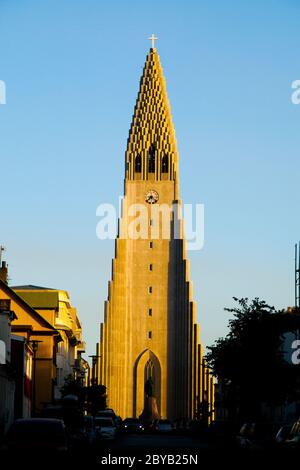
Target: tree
[
  {"x": 96, "y": 398},
  {"x": 72, "y": 387},
  {"x": 92, "y": 398},
  {"x": 249, "y": 361}
]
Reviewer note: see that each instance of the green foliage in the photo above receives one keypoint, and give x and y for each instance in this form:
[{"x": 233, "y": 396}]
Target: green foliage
[
  {"x": 92, "y": 398},
  {"x": 249, "y": 360},
  {"x": 71, "y": 387},
  {"x": 96, "y": 398}
]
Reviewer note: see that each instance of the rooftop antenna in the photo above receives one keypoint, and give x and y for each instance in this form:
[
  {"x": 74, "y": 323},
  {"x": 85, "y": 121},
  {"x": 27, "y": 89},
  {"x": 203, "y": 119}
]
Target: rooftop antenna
[
  {"x": 2, "y": 249},
  {"x": 297, "y": 275}
]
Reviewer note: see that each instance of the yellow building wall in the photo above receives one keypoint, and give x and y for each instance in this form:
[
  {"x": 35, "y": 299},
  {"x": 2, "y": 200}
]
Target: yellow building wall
[{"x": 45, "y": 369}]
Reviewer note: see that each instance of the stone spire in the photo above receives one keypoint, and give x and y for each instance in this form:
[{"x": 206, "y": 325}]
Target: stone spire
[
  {"x": 151, "y": 149},
  {"x": 150, "y": 328}
]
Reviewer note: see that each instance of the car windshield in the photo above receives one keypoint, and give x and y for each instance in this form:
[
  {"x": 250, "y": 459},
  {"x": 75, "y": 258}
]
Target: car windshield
[
  {"x": 104, "y": 422},
  {"x": 295, "y": 429}
]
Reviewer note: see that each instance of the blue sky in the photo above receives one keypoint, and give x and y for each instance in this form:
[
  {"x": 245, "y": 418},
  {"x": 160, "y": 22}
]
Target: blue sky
[{"x": 72, "y": 70}]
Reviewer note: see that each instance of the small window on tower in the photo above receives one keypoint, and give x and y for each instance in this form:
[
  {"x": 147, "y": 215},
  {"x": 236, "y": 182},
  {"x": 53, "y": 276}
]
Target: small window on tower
[
  {"x": 165, "y": 164},
  {"x": 151, "y": 267},
  {"x": 150, "y": 334},
  {"x": 150, "y": 312},
  {"x": 150, "y": 290},
  {"x": 151, "y": 244},
  {"x": 151, "y": 160},
  {"x": 138, "y": 164}
]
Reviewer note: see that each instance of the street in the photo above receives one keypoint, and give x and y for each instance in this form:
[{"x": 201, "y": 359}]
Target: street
[
  {"x": 153, "y": 449},
  {"x": 162, "y": 442},
  {"x": 133, "y": 450}
]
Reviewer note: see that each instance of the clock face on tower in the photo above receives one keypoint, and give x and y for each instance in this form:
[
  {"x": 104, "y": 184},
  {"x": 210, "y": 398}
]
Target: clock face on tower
[{"x": 151, "y": 197}]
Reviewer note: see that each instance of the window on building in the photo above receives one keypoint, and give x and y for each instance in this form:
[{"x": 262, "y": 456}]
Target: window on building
[
  {"x": 150, "y": 334},
  {"x": 151, "y": 267},
  {"x": 150, "y": 312},
  {"x": 165, "y": 164},
  {"x": 151, "y": 244},
  {"x": 150, "y": 289},
  {"x": 138, "y": 164},
  {"x": 151, "y": 159},
  {"x": 5, "y": 304}
]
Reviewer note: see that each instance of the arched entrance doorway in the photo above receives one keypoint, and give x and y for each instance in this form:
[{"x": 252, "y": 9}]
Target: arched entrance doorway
[{"x": 147, "y": 370}]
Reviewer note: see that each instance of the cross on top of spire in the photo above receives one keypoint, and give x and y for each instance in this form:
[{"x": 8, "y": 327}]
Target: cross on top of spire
[{"x": 153, "y": 39}]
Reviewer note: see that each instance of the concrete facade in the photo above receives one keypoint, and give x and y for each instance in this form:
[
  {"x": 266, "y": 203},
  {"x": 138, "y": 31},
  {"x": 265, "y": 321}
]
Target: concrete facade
[{"x": 150, "y": 327}]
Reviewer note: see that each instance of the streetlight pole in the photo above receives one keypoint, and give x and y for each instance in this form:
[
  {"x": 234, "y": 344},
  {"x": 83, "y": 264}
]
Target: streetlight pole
[
  {"x": 94, "y": 357},
  {"x": 34, "y": 344}
]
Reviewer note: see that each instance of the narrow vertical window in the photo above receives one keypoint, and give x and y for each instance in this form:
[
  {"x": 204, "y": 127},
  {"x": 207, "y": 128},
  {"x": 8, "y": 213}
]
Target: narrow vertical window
[
  {"x": 150, "y": 334},
  {"x": 150, "y": 312},
  {"x": 151, "y": 160},
  {"x": 151, "y": 267},
  {"x": 138, "y": 164},
  {"x": 150, "y": 290},
  {"x": 151, "y": 244},
  {"x": 165, "y": 164}
]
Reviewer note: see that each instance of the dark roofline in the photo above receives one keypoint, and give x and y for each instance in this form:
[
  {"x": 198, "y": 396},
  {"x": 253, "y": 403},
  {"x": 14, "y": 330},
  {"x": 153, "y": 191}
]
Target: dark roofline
[{"x": 31, "y": 287}]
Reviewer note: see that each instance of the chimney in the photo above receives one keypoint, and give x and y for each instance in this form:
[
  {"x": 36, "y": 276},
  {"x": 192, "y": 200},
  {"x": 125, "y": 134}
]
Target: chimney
[{"x": 4, "y": 272}]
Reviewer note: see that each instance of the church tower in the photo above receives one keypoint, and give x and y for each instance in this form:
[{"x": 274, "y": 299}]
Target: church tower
[{"x": 150, "y": 328}]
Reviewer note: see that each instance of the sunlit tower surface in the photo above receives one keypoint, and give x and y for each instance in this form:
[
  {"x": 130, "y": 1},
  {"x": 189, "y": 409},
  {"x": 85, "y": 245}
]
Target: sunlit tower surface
[{"x": 297, "y": 275}]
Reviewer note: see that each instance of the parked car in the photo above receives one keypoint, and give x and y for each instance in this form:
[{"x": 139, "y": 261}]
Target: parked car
[
  {"x": 37, "y": 434},
  {"x": 293, "y": 440},
  {"x": 283, "y": 434},
  {"x": 89, "y": 428},
  {"x": 133, "y": 425},
  {"x": 109, "y": 413},
  {"x": 221, "y": 430},
  {"x": 196, "y": 427},
  {"x": 165, "y": 426},
  {"x": 150, "y": 427},
  {"x": 105, "y": 428},
  {"x": 256, "y": 436},
  {"x": 181, "y": 426}
]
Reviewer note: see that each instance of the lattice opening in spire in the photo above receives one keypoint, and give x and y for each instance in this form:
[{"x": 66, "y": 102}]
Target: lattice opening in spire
[
  {"x": 151, "y": 159},
  {"x": 165, "y": 164},
  {"x": 138, "y": 164}
]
